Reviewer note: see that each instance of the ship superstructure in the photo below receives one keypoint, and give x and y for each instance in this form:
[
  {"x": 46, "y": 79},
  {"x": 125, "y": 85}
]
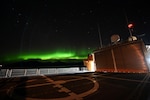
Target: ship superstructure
[{"x": 128, "y": 57}]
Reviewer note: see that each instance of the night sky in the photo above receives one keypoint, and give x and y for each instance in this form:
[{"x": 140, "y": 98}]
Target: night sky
[{"x": 49, "y": 29}]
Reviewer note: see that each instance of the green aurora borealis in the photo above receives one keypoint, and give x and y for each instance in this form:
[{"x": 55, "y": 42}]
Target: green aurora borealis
[{"x": 55, "y": 54}]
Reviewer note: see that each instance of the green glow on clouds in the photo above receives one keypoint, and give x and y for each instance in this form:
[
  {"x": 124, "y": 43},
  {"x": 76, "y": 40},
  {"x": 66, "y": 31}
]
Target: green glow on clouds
[{"x": 58, "y": 54}]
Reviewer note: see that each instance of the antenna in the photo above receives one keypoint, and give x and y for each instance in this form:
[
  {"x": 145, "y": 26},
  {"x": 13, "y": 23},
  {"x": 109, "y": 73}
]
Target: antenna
[
  {"x": 100, "y": 39},
  {"x": 128, "y": 24}
]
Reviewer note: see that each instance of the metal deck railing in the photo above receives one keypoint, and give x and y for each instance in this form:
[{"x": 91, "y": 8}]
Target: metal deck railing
[{"x": 5, "y": 73}]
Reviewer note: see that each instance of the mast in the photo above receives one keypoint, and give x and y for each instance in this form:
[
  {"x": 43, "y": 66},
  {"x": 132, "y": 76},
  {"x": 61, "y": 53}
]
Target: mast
[
  {"x": 100, "y": 38},
  {"x": 128, "y": 24}
]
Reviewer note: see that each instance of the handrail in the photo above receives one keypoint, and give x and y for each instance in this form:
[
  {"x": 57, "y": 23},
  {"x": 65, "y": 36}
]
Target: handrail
[{"x": 6, "y": 73}]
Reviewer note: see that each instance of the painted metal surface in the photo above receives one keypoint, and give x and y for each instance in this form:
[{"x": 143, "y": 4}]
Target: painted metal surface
[{"x": 122, "y": 57}]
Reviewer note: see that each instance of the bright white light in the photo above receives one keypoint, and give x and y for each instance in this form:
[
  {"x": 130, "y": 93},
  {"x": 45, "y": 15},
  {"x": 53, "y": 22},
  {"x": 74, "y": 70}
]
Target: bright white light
[
  {"x": 148, "y": 48},
  {"x": 90, "y": 65},
  {"x": 148, "y": 55}
]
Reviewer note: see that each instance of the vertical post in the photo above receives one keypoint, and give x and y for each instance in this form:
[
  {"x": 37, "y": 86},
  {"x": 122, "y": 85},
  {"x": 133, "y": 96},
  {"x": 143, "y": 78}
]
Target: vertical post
[
  {"x": 114, "y": 61},
  {"x": 6, "y": 75},
  {"x": 25, "y": 72},
  {"x": 48, "y": 70},
  {"x": 130, "y": 32},
  {"x": 10, "y": 72},
  {"x": 56, "y": 70},
  {"x": 100, "y": 38},
  {"x": 128, "y": 26},
  {"x": 39, "y": 71}
]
